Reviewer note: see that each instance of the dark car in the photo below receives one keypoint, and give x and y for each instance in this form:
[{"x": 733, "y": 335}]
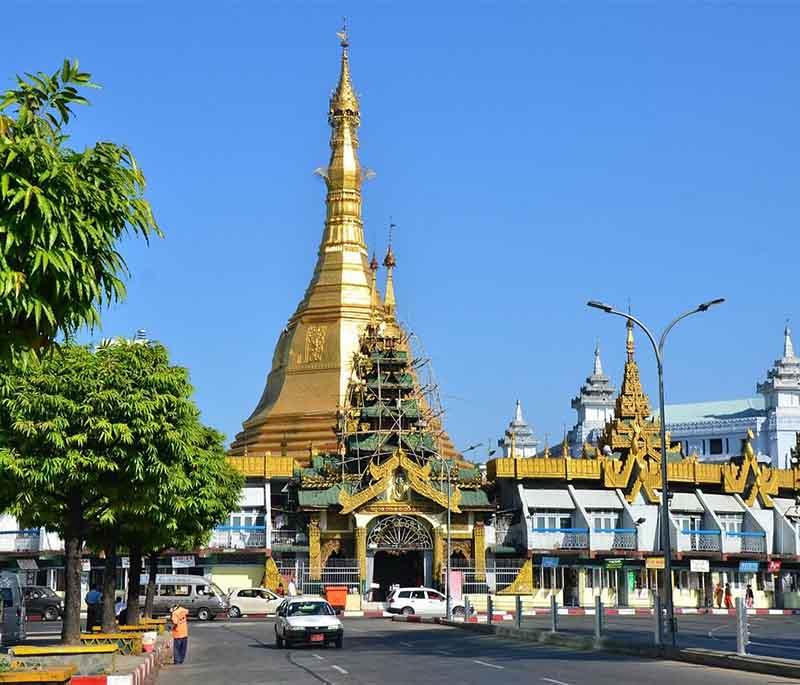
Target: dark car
[{"x": 42, "y": 601}]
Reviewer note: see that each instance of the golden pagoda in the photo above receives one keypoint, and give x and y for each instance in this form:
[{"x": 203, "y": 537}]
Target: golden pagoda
[{"x": 312, "y": 362}]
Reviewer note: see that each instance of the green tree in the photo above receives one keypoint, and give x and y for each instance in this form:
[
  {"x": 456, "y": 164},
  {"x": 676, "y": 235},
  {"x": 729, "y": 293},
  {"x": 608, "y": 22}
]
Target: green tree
[
  {"x": 86, "y": 439},
  {"x": 62, "y": 215}
]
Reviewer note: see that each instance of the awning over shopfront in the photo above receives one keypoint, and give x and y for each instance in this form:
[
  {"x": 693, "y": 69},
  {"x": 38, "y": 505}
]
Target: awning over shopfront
[
  {"x": 686, "y": 502},
  {"x": 724, "y": 504},
  {"x": 598, "y": 499},
  {"x": 546, "y": 500}
]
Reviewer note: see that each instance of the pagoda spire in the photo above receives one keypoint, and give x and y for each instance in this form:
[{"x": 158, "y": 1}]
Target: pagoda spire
[
  {"x": 389, "y": 301},
  {"x": 788, "y": 347},
  {"x": 632, "y": 403},
  {"x": 374, "y": 297},
  {"x": 598, "y": 365}
]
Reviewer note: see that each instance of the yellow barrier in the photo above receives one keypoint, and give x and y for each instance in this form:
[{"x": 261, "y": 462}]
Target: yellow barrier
[
  {"x": 29, "y": 650},
  {"x": 129, "y": 643},
  {"x": 51, "y": 675}
]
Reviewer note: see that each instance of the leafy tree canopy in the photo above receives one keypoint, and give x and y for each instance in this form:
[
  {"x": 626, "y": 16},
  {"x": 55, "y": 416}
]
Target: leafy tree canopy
[{"x": 62, "y": 214}]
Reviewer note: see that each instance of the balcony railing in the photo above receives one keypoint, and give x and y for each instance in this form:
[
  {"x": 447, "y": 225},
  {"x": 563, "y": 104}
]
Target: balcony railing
[
  {"x": 700, "y": 540},
  {"x": 238, "y": 537},
  {"x": 614, "y": 538},
  {"x": 19, "y": 540},
  {"x": 752, "y": 542},
  {"x": 559, "y": 538},
  {"x": 288, "y": 536}
]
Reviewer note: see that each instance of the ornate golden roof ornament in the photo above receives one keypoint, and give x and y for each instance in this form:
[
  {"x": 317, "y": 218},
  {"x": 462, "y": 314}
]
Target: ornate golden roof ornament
[
  {"x": 344, "y": 101},
  {"x": 390, "y": 262},
  {"x": 565, "y": 447}
]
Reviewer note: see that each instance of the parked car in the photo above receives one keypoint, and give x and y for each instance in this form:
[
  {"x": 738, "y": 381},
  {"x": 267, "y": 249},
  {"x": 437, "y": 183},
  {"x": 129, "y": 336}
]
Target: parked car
[
  {"x": 421, "y": 600},
  {"x": 308, "y": 621},
  {"x": 42, "y": 601},
  {"x": 254, "y": 600}
]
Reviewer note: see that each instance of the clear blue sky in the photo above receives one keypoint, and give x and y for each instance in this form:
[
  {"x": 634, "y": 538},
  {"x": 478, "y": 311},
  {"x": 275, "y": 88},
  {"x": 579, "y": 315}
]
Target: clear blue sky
[{"x": 534, "y": 156}]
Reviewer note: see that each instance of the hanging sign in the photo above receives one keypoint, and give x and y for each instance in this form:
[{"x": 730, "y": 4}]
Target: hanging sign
[
  {"x": 183, "y": 561},
  {"x": 654, "y": 562},
  {"x": 699, "y": 566},
  {"x": 549, "y": 562},
  {"x": 126, "y": 562},
  {"x": 748, "y": 567},
  {"x": 774, "y": 566},
  {"x": 613, "y": 563},
  {"x": 27, "y": 564},
  {"x": 86, "y": 565}
]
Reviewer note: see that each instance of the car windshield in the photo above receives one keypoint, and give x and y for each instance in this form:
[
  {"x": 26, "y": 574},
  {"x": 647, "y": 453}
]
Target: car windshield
[{"x": 310, "y": 609}]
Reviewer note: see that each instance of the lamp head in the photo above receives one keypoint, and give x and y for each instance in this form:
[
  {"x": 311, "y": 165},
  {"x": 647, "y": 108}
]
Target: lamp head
[
  {"x": 707, "y": 305},
  {"x": 607, "y": 308}
]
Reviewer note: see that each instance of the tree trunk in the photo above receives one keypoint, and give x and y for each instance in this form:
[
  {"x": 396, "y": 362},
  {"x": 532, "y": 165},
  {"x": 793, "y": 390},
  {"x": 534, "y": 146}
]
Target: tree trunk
[
  {"x": 134, "y": 585},
  {"x": 151, "y": 585},
  {"x": 71, "y": 627},
  {"x": 110, "y": 588}
]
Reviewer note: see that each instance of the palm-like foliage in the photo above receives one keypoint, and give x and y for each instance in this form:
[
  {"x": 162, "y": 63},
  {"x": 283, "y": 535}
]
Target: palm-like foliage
[{"x": 62, "y": 215}]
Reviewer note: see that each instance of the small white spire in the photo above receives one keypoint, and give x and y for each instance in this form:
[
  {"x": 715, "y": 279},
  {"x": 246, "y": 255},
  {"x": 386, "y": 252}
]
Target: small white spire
[
  {"x": 788, "y": 347},
  {"x": 518, "y": 413},
  {"x": 598, "y": 365}
]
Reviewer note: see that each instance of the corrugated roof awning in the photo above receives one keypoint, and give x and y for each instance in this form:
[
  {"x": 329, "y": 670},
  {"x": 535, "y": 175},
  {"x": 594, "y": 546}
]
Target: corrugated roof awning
[
  {"x": 783, "y": 505},
  {"x": 686, "y": 501},
  {"x": 724, "y": 504},
  {"x": 539, "y": 498},
  {"x": 598, "y": 499}
]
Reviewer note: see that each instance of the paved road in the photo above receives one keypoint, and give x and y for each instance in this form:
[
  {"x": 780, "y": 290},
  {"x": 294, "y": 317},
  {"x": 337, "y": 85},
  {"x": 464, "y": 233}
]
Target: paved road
[
  {"x": 777, "y": 636},
  {"x": 243, "y": 653}
]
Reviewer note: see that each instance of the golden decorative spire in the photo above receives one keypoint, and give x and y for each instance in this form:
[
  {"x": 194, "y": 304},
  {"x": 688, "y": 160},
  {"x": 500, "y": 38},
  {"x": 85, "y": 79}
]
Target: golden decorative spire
[
  {"x": 632, "y": 403},
  {"x": 373, "y": 267},
  {"x": 565, "y": 447},
  {"x": 390, "y": 262}
]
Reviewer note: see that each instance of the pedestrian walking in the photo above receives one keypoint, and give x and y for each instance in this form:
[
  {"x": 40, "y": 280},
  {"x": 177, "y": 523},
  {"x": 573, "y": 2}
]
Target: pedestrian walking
[
  {"x": 292, "y": 587},
  {"x": 180, "y": 632},
  {"x": 749, "y": 597},
  {"x": 728, "y": 596},
  {"x": 280, "y": 591},
  {"x": 718, "y": 595},
  {"x": 93, "y": 603}
]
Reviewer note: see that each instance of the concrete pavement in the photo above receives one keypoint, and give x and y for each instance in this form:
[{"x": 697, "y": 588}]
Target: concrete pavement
[{"x": 376, "y": 651}]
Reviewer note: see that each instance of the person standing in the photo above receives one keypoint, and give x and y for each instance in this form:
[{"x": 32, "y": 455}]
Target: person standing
[
  {"x": 292, "y": 587},
  {"x": 180, "y": 632},
  {"x": 728, "y": 596},
  {"x": 718, "y": 595},
  {"x": 749, "y": 597},
  {"x": 93, "y": 603}
]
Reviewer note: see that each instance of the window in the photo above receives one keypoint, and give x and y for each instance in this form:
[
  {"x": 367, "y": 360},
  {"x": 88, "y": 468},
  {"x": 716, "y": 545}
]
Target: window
[
  {"x": 406, "y": 594},
  {"x": 418, "y": 594},
  {"x": 544, "y": 520},
  {"x": 183, "y": 590},
  {"x": 605, "y": 520},
  {"x": 715, "y": 446},
  {"x": 732, "y": 523},
  {"x": 246, "y": 593},
  {"x": 166, "y": 590},
  {"x": 435, "y": 595}
]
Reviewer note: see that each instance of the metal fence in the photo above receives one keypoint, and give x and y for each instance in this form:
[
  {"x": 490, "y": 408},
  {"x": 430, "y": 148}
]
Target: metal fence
[
  {"x": 341, "y": 572},
  {"x": 500, "y": 573}
]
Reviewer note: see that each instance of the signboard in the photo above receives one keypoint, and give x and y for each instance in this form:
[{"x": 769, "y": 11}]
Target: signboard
[
  {"x": 27, "y": 564},
  {"x": 183, "y": 561},
  {"x": 748, "y": 567},
  {"x": 654, "y": 562},
  {"x": 699, "y": 566},
  {"x": 549, "y": 562},
  {"x": 613, "y": 563},
  {"x": 774, "y": 566},
  {"x": 126, "y": 562},
  {"x": 86, "y": 565}
]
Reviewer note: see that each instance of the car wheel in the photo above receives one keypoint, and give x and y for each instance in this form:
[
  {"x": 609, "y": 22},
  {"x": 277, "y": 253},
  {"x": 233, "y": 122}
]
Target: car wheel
[
  {"x": 278, "y": 641},
  {"x": 407, "y": 611},
  {"x": 234, "y": 612},
  {"x": 338, "y": 643},
  {"x": 457, "y": 612},
  {"x": 203, "y": 614},
  {"x": 51, "y": 614}
]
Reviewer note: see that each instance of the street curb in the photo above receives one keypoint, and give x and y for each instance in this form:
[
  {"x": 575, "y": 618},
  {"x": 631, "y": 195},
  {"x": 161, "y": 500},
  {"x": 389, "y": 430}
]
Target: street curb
[
  {"x": 144, "y": 674},
  {"x": 702, "y": 657}
]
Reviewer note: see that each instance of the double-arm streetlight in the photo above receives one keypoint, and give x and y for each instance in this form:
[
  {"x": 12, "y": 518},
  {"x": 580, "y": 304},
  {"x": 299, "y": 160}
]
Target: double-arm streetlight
[{"x": 658, "y": 348}]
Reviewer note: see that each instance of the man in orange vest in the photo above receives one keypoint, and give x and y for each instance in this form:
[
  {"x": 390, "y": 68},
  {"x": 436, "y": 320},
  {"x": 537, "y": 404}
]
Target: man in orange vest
[{"x": 180, "y": 632}]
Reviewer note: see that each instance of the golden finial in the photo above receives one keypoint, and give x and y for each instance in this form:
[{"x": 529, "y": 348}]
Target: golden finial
[
  {"x": 629, "y": 343},
  {"x": 565, "y": 447},
  {"x": 390, "y": 262},
  {"x": 344, "y": 100}
]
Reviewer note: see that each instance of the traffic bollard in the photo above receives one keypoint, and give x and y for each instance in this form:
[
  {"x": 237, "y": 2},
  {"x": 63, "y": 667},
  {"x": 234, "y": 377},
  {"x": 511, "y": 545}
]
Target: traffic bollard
[
  {"x": 742, "y": 629},
  {"x": 553, "y": 614},
  {"x": 489, "y": 609},
  {"x": 598, "y": 617},
  {"x": 467, "y": 610},
  {"x": 519, "y": 612},
  {"x": 658, "y": 614}
]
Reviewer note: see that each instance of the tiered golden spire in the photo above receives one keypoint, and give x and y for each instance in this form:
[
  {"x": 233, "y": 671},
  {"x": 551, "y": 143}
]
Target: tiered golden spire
[
  {"x": 632, "y": 403},
  {"x": 389, "y": 301}
]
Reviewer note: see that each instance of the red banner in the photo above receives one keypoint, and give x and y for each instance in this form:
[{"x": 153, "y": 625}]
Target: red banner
[{"x": 773, "y": 566}]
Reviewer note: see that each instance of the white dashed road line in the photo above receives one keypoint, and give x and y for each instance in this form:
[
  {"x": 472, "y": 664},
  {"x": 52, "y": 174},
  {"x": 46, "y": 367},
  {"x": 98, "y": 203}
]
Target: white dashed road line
[
  {"x": 484, "y": 663},
  {"x": 340, "y": 669},
  {"x": 554, "y": 681},
  {"x": 317, "y": 656},
  {"x": 405, "y": 644}
]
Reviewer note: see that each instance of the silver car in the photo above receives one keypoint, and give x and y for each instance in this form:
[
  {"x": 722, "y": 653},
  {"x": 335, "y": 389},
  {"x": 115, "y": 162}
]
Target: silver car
[{"x": 310, "y": 621}]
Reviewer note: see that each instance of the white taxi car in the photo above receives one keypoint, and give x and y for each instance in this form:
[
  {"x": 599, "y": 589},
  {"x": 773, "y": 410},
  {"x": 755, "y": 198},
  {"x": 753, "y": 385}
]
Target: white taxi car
[
  {"x": 253, "y": 600},
  {"x": 307, "y": 620},
  {"x": 421, "y": 600}
]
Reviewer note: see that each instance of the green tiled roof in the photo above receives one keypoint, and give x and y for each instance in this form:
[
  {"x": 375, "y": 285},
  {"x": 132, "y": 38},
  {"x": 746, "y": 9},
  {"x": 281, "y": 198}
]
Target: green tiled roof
[
  {"x": 396, "y": 356},
  {"x": 410, "y": 410},
  {"x": 319, "y": 498},
  {"x": 705, "y": 412}
]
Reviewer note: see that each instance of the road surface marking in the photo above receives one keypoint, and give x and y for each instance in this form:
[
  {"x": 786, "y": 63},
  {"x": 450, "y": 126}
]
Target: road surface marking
[
  {"x": 321, "y": 658},
  {"x": 405, "y": 644},
  {"x": 340, "y": 669},
  {"x": 483, "y": 663},
  {"x": 554, "y": 681},
  {"x": 775, "y": 646}
]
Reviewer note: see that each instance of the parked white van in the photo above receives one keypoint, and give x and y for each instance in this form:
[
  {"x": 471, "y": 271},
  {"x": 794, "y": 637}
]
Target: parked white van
[
  {"x": 204, "y": 599},
  {"x": 12, "y": 609}
]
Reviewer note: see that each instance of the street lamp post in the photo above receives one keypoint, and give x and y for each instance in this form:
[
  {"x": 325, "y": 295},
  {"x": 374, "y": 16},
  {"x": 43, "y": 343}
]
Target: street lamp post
[{"x": 658, "y": 348}]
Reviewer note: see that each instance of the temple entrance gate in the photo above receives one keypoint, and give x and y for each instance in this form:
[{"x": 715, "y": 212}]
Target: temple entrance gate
[{"x": 399, "y": 552}]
